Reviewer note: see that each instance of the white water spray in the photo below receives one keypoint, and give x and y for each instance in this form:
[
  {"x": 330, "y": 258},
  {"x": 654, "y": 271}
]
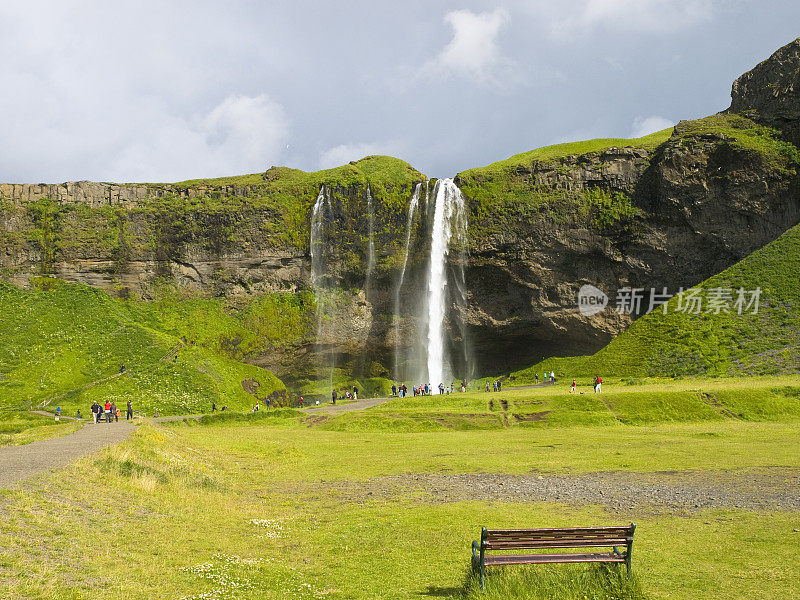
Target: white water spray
[{"x": 449, "y": 218}]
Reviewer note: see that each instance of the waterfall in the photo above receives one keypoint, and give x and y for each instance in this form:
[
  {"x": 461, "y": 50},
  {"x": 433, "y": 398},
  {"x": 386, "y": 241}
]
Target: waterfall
[
  {"x": 320, "y": 214},
  {"x": 412, "y": 207},
  {"x": 449, "y": 220},
  {"x": 371, "y": 243},
  {"x": 318, "y": 241}
]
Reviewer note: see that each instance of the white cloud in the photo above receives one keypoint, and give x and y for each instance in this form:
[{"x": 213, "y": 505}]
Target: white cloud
[
  {"x": 242, "y": 134},
  {"x": 344, "y": 153},
  {"x": 473, "y": 52},
  {"x": 648, "y": 125},
  {"x": 643, "y": 16}
]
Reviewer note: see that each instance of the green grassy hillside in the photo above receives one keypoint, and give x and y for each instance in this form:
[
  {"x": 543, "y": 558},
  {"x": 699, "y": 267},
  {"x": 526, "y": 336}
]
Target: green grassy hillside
[
  {"x": 63, "y": 344},
  {"x": 681, "y": 343}
]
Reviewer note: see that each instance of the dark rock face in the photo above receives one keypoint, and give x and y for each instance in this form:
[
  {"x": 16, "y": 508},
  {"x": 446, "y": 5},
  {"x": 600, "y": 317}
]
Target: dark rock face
[
  {"x": 770, "y": 93},
  {"x": 704, "y": 206}
]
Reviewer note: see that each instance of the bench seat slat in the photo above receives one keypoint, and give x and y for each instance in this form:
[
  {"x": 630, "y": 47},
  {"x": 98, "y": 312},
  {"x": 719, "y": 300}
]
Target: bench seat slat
[
  {"x": 559, "y": 530},
  {"x": 545, "y": 538},
  {"x": 528, "y": 559},
  {"x": 563, "y": 543}
]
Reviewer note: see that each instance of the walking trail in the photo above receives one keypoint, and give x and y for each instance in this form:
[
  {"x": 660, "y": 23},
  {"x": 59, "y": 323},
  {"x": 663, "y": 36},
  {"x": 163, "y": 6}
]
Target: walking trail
[
  {"x": 350, "y": 406},
  {"x": 18, "y": 463}
]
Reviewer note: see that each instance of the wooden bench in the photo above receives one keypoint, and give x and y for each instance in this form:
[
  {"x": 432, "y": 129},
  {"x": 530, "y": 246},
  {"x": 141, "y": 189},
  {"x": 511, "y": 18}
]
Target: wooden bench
[{"x": 552, "y": 539}]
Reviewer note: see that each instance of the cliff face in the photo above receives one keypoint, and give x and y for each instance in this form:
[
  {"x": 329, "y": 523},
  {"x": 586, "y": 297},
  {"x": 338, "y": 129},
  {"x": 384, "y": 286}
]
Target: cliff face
[
  {"x": 668, "y": 210},
  {"x": 770, "y": 93}
]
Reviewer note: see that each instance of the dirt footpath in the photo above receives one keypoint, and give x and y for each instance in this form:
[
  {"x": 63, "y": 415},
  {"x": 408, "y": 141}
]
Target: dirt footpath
[{"x": 18, "y": 463}]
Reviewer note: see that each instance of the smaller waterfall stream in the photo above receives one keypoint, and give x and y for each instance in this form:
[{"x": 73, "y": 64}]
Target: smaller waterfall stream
[
  {"x": 318, "y": 241},
  {"x": 412, "y": 207},
  {"x": 320, "y": 214},
  {"x": 371, "y": 242}
]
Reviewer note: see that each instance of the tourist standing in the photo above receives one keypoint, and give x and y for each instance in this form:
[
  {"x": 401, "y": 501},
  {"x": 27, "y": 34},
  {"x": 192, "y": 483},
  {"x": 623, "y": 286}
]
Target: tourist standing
[
  {"x": 441, "y": 388},
  {"x": 572, "y": 389},
  {"x": 114, "y": 411},
  {"x": 333, "y": 396},
  {"x": 107, "y": 411},
  {"x": 129, "y": 411},
  {"x": 394, "y": 390},
  {"x": 355, "y": 393}
]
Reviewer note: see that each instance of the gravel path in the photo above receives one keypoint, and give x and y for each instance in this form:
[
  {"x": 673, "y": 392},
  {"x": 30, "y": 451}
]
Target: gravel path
[
  {"x": 18, "y": 463},
  {"x": 758, "y": 489},
  {"x": 342, "y": 408}
]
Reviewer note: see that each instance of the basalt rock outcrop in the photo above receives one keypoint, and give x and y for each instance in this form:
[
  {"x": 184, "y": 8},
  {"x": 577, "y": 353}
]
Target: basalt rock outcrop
[
  {"x": 770, "y": 93},
  {"x": 665, "y": 214}
]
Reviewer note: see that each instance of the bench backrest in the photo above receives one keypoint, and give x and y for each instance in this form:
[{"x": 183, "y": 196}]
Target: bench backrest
[{"x": 565, "y": 537}]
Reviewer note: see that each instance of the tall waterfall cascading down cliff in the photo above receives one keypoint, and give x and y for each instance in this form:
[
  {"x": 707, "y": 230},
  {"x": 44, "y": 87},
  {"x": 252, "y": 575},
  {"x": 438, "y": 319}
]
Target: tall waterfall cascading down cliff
[
  {"x": 448, "y": 232},
  {"x": 429, "y": 292}
]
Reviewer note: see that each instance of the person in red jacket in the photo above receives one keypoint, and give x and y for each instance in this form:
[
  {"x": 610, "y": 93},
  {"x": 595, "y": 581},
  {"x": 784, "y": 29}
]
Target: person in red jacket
[{"x": 108, "y": 411}]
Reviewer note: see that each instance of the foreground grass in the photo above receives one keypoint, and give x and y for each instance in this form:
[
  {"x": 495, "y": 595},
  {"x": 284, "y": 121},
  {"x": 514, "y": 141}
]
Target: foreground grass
[
  {"x": 562, "y": 582},
  {"x": 264, "y": 510}
]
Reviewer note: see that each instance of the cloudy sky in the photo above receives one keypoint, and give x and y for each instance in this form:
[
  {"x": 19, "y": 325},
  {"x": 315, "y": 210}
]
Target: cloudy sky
[{"x": 171, "y": 90}]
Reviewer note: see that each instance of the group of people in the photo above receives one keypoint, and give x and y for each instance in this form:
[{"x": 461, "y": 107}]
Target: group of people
[
  {"x": 426, "y": 389},
  {"x": 109, "y": 411},
  {"x": 346, "y": 395},
  {"x": 257, "y": 406},
  {"x": 497, "y": 386},
  {"x": 546, "y": 376},
  {"x": 597, "y": 381}
]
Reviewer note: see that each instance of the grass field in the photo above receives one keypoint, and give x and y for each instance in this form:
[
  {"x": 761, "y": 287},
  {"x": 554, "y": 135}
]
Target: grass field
[
  {"x": 22, "y": 427},
  {"x": 285, "y": 504},
  {"x": 64, "y": 344}
]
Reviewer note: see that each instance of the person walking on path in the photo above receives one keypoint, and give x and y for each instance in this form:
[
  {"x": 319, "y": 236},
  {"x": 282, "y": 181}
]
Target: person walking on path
[
  {"x": 355, "y": 393},
  {"x": 333, "y": 396},
  {"x": 58, "y": 413},
  {"x": 213, "y": 406},
  {"x": 487, "y": 386},
  {"x": 114, "y": 412},
  {"x": 441, "y": 388},
  {"x": 129, "y": 411},
  {"x": 394, "y": 390},
  {"x": 95, "y": 409},
  {"x": 598, "y": 382},
  {"x": 536, "y": 375},
  {"x": 107, "y": 411},
  {"x": 572, "y": 389}
]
